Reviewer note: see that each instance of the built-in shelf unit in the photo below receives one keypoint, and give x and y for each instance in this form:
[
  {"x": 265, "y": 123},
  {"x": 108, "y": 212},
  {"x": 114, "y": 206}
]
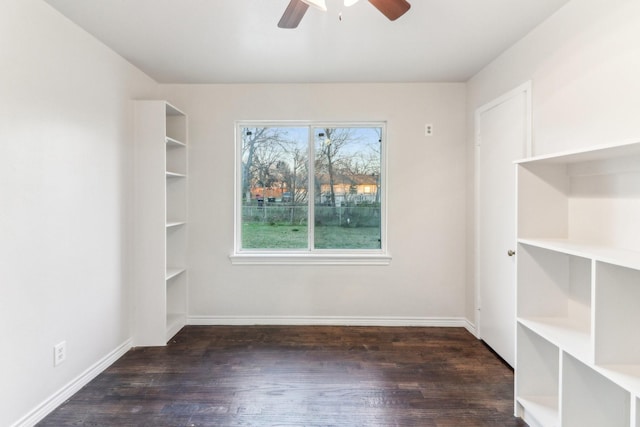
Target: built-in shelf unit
[
  {"x": 578, "y": 288},
  {"x": 160, "y": 231}
]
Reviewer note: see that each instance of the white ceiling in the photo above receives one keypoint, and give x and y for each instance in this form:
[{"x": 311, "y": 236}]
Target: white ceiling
[{"x": 238, "y": 41}]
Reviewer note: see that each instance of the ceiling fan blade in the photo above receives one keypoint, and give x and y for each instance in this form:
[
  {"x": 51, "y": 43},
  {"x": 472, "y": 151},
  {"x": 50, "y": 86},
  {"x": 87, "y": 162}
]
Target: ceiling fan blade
[
  {"x": 293, "y": 14},
  {"x": 392, "y": 9}
]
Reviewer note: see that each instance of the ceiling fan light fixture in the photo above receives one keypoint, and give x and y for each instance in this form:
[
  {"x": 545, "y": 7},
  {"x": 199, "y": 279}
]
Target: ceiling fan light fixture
[
  {"x": 392, "y": 9},
  {"x": 318, "y": 4}
]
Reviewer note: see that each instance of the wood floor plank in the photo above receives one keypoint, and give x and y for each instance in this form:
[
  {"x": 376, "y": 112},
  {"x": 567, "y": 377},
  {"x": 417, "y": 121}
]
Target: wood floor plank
[{"x": 300, "y": 376}]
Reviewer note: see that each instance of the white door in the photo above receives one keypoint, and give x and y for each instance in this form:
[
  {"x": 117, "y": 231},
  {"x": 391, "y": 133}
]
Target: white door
[{"x": 502, "y": 136}]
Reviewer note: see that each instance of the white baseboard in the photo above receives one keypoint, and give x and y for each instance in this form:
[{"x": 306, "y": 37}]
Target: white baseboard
[
  {"x": 48, "y": 405},
  {"x": 471, "y": 327},
  {"x": 457, "y": 322}
]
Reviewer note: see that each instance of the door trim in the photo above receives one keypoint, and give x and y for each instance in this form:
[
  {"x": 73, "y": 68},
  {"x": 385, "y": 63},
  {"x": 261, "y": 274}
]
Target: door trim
[{"x": 523, "y": 88}]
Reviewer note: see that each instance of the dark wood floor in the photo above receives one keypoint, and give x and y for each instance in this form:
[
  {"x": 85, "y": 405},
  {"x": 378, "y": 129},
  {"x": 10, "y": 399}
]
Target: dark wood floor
[{"x": 300, "y": 376}]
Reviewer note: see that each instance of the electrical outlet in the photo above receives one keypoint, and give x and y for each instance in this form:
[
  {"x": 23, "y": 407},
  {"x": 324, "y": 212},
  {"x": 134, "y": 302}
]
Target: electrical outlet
[
  {"x": 428, "y": 130},
  {"x": 59, "y": 353}
]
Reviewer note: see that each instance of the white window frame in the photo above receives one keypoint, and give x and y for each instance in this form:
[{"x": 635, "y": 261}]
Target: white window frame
[{"x": 309, "y": 256}]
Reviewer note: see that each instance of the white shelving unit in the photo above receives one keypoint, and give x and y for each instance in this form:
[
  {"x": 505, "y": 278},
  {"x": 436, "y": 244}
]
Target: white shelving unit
[
  {"x": 578, "y": 288},
  {"x": 161, "y": 221}
]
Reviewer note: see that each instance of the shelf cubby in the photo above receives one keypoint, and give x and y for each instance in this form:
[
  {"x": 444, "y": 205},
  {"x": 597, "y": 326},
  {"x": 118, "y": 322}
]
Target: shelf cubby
[
  {"x": 175, "y": 124},
  {"x": 537, "y": 385},
  {"x": 554, "y": 297},
  {"x": 176, "y": 288},
  {"x": 617, "y": 314},
  {"x": 176, "y": 158},
  {"x": 176, "y": 200},
  {"x": 587, "y": 199},
  {"x": 589, "y": 399},
  {"x": 176, "y": 247},
  {"x": 617, "y": 342},
  {"x": 174, "y": 322}
]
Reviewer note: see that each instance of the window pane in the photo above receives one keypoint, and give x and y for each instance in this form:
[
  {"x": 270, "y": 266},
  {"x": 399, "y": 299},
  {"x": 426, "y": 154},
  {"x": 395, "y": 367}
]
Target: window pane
[
  {"x": 347, "y": 188},
  {"x": 275, "y": 172}
]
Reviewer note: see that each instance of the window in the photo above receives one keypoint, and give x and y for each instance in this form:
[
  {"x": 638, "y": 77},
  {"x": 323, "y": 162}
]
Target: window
[{"x": 310, "y": 192}]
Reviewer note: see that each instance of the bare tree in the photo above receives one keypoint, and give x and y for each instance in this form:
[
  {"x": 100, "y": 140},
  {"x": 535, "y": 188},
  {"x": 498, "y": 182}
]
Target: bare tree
[
  {"x": 253, "y": 141},
  {"x": 332, "y": 140},
  {"x": 265, "y": 170}
]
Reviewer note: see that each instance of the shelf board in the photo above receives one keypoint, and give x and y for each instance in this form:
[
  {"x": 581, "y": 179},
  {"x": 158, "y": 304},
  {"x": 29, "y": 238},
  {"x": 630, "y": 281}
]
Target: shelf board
[
  {"x": 567, "y": 334},
  {"x": 173, "y": 272},
  {"x": 604, "y": 152},
  {"x": 544, "y": 409},
  {"x": 607, "y": 254},
  {"x": 171, "y": 142},
  {"x": 175, "y": 175},
  {"x": 171, "y": 110},
  {"x": 626, "y": 376},
  {"x": 175, "y": 223}
]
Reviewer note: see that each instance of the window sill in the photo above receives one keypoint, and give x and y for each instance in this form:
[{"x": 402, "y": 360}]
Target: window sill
[{"x": 309, "y": 259}]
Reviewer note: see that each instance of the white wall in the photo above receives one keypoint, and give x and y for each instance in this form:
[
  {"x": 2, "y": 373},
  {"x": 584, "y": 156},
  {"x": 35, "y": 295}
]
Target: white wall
[
  {"x": 65, "y": 180},
  {"x": 584, "y": 64},
  {"x": 426, "y": 204}
]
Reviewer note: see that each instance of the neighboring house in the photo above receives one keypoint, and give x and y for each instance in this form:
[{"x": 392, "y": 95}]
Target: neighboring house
[
  {"x": 270, "y": 194},
  {"x": 356, "y": 188}
]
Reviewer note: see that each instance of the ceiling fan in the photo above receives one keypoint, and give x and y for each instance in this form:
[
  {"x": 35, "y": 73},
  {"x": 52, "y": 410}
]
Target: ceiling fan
[{"x": 392, "y": 9}]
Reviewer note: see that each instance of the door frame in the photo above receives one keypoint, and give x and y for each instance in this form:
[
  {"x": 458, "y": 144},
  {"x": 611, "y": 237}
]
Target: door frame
[{"x": 523, "y": 88}]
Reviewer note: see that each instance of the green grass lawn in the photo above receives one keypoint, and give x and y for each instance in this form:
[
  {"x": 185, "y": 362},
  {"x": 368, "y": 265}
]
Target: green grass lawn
[{"x": 258, "y": 235}]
